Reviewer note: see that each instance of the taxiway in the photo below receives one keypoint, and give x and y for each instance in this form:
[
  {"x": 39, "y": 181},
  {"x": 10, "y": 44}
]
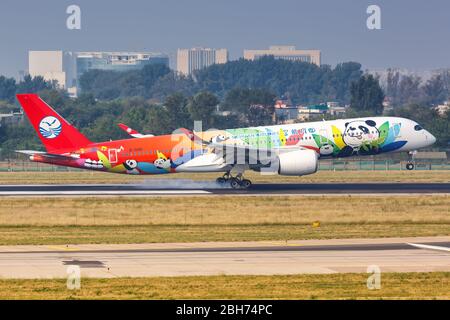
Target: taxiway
[{"x": 233, "y": 258}]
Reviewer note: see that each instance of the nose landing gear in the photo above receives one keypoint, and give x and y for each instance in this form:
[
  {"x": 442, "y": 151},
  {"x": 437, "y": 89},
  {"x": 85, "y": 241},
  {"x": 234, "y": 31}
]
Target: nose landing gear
[
  {"x": 410, "y": 164},
  {"x": 237, "y": 182}
]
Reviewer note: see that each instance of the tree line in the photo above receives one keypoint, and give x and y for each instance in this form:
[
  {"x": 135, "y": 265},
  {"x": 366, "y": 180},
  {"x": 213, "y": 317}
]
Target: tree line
[
  {"x": 236, "y": 94},
  {"x": 9, "y": 87},
  {"x": 406, "y": 89},
  {"x": 300, "y": 82},
  {"x": 412, "y": 97}
]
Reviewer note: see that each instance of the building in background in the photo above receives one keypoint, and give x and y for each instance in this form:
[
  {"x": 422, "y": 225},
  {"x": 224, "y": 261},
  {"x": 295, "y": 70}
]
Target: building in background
[
  {"x": 117, "y": 61},
  {"x": 442, "y": 109},
  {"x": 286, "y": 112},
  {"x": 67, "y": 67},
  {"x": 286, "y": 53},
  {"x": 189, "y": 60},
  {"x": 53, "y": 66},
  {"x": 12, "y": 118}
]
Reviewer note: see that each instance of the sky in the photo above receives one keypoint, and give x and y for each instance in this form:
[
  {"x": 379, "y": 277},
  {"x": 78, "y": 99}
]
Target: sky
[{"x": 414, "y": 34}]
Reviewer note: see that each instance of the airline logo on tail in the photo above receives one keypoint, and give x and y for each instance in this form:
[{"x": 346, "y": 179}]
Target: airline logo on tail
[{"x": 50, "y": 127}]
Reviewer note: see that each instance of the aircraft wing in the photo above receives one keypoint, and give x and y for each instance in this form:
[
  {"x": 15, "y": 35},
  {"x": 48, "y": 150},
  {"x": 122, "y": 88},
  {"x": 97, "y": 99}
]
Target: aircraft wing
[
  {"x": 225, "y": 156},
  {"x": 234, "y": 153}
]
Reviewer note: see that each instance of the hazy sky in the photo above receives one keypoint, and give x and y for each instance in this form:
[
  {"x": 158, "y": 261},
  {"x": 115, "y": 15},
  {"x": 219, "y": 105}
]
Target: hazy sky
[{"x": 415, "y": 33}]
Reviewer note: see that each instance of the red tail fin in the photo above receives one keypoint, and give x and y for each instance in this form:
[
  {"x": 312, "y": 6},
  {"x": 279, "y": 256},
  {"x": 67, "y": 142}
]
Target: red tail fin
[{"x": 53, "y": 130}]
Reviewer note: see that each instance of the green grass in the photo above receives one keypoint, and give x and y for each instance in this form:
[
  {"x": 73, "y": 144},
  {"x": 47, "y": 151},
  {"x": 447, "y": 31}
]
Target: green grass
[
  {"x": 433, "y": 285},
  {"x": 48, "y": 235},
  {"x": 219, "y": 218}
]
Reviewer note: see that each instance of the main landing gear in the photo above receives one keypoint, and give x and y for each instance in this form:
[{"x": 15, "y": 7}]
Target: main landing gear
[{"x": 237, "y": 182}]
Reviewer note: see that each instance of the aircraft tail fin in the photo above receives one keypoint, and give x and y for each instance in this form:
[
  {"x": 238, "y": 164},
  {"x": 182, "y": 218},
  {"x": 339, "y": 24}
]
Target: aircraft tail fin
[{"x": 53, "y": 130}]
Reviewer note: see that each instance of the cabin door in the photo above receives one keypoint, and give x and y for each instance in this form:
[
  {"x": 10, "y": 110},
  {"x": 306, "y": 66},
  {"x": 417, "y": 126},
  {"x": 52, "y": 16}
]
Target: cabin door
[{"x": 112, "y": 153}]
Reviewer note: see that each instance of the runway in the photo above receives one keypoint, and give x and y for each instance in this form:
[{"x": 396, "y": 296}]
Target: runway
[
  {"x": 233, "y": 258},
  {"x": 209, "y": 188}
]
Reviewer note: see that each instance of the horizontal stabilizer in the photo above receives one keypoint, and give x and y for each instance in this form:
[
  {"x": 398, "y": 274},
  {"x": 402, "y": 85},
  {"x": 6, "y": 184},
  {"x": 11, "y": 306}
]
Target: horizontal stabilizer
[
  {"x": 46, "y": 155},
  {"x": 30, "y": 152}
]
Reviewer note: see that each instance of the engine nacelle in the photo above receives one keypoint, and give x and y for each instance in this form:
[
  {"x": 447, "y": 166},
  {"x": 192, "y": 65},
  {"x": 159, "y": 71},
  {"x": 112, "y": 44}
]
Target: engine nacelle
[{"x": 298, "y": 163}]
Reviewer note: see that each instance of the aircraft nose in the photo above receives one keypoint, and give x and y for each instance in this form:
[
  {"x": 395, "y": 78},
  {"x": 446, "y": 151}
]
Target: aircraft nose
[{"x": 431, "y": 139}]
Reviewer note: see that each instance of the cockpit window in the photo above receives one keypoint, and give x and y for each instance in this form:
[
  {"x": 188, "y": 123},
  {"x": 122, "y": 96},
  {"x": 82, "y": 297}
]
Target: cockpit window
[{"x": 418, "y": 127}]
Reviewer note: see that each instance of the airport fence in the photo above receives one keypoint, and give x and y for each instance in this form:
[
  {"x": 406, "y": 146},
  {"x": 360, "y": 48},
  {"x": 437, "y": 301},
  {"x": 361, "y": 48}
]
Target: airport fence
[{"x": 330, "y": 165}]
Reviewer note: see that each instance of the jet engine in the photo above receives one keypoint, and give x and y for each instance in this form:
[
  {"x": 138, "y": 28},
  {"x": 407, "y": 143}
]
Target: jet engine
[{"x": 298, "y": 163}]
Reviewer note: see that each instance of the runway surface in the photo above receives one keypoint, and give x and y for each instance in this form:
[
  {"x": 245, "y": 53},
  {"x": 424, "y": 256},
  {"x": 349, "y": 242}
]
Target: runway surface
[
  {"x": 234, "y": 258},
  {"x": 208, "y": 188}
]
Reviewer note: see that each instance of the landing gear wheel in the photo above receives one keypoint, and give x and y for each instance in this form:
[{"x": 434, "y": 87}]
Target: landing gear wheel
[
  {"x": 410, "y": 166},
  {"x": 246, "y": 183},
  {"x": 221, "y": 180},
  {"x": 235, "y": 183}
]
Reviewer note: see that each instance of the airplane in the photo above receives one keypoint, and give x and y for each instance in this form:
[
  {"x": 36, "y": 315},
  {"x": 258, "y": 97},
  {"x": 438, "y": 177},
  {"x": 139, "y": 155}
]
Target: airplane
[{"x": 289, "y": 149}]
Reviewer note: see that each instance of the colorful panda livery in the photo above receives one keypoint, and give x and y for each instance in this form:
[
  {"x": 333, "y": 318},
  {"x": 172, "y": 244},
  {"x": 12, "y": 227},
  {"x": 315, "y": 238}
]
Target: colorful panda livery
[{"x": 287, "y": 149}]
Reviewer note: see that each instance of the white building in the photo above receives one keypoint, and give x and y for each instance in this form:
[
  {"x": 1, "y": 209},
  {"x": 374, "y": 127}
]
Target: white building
[
  {"x": 442, "y": 108},
  {"x": 53, "y": 66},
  {"x": 286, "y": 53},
  {"x": 189, "y": 60}
]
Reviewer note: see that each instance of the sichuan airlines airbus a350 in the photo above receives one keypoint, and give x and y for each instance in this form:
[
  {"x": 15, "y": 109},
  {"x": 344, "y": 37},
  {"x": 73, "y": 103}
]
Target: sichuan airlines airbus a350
[{"x": 292, "y": 149}]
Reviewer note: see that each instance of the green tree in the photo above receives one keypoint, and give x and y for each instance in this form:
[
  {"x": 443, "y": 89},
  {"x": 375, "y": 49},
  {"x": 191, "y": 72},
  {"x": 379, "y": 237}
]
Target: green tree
[
  {"x": 256, "y": 105},
  {"x": 367, "y": 95},
  {"x": 173, "y": 82},
  {"x": 108, "y": 85},
  {"x": 7, "y": 89},
  {"x": 341, "y": 79},
  {"x": 434, "y": 90},
  {"x": 202, "y": 107},
  {"x": 392, "y": 87},
  {"x": 177, "y": 116},
  {"x": 409, "y": 90},
  {"x": 34, "y": 84}
]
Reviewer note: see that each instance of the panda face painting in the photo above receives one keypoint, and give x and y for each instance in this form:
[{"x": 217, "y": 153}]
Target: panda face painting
[
  {"x": 360, "y": 132},
  {"x": 326, "y": 150},
  {"x": 130, "y": 164},
  {"x": 162, "y": 163},
  {"x": 218, "y": 139}
]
